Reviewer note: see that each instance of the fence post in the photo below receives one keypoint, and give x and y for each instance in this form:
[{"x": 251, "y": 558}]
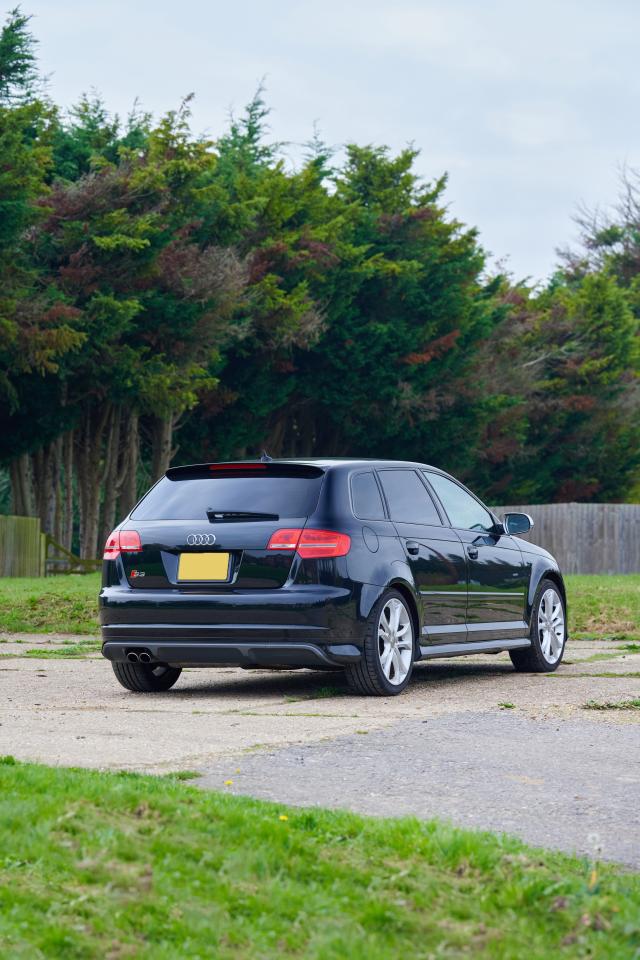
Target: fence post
[{"x": 21, "y": 547}]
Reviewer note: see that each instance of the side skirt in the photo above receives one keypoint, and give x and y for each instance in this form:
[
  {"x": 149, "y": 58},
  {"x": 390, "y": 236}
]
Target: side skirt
[{"x": 465, "y": 649}]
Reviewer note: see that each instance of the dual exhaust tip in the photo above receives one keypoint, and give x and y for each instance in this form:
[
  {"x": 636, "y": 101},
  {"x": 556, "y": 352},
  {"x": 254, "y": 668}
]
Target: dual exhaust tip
[{"x": 143, "y": 657}]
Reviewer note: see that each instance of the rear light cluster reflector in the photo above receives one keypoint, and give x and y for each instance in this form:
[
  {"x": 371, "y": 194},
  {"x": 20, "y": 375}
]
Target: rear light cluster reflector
[
  {"x": 121, "y": 541},
  {"x": 311, "y": 543}
]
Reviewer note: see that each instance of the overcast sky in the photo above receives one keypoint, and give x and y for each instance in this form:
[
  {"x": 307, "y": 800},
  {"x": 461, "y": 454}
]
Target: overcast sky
[{"x": 531, "y": 107}]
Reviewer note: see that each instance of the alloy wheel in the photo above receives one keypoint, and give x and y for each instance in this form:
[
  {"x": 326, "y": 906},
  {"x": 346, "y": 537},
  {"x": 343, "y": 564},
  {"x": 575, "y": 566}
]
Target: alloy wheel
[
  {"x": 551, "y": 626},
  {"x": 395, "y": 641}
]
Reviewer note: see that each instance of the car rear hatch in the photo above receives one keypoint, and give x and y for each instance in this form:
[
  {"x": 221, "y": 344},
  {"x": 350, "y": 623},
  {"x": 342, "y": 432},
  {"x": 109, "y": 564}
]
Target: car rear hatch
[{"x": 207, "y": 528}]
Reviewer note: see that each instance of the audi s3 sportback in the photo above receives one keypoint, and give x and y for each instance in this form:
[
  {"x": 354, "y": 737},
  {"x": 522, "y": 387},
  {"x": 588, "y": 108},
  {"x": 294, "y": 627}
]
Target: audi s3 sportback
[{"x": 363, "y": 565}]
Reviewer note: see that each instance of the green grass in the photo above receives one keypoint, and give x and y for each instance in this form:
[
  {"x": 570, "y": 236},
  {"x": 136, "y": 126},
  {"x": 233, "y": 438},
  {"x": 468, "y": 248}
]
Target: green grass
[
  {"x": 579, "y": 676},
  {"x": 96, "y": 865},
  {"x": 322, "y": 693},
  {"x": 64, "y": 651},
  {"x": 609, "y": 705},
  {"x": 604, "y": 606},
  {"x": 61, "y": 604},
  {"x": 599, "y": 606},
  {"x": 597, "y": 657}
]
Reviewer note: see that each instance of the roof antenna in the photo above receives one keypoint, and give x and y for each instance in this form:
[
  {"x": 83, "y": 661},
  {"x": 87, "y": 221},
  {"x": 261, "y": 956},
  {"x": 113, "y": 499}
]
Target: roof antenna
[{"x": 265, "y": 458}]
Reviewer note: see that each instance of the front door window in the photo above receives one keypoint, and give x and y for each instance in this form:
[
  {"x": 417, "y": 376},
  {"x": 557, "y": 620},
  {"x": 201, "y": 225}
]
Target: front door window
[{"x": 463, "y": 510}]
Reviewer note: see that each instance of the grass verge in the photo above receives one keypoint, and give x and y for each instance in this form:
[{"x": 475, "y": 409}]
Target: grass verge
[
  {"x": 106, "y": 865},
  {"x": 61, "y": 604},
  {"x": 599, "y": 606},
  {"x": 604, "y": 606}
]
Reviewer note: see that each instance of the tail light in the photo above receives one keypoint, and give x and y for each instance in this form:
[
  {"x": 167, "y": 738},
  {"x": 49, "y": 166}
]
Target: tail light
[
  {"x": 311, "y": 543},
  {"x": 284, "y": 540},
  {"x": 323, "y": 543},
  {"x": 121, "y": 541}
]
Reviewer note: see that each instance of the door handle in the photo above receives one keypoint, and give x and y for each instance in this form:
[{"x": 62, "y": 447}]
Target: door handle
[
  {"x": 413, "y": 548},
  {"x": 473, "y": 552}
]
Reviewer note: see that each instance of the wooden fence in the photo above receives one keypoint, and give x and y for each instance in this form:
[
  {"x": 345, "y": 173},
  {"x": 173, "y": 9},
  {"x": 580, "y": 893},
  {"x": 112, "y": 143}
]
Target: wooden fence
[
  {"x": 27, "y": 552},
  {"x": 586, "y": 537},
  {"x": 22, "y": 547}
]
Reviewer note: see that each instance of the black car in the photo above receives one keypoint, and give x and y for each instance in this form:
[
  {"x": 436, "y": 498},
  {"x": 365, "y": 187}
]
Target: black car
[{"x": 364, "y": 565}]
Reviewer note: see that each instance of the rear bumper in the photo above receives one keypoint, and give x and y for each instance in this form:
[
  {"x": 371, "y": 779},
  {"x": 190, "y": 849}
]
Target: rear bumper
[
  {"x": 301, "y": 625},
  {"x": 238, "y": 654}
]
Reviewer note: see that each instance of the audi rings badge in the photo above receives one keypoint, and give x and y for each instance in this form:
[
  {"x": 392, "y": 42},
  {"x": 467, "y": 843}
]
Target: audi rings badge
[{"x": 201, "y": 539}]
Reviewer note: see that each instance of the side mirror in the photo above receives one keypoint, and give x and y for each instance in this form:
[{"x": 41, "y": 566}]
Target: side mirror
[{"x": 516, "y": 523}]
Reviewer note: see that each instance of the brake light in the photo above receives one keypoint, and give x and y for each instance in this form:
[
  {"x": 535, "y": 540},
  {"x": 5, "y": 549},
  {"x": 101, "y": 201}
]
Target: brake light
[
  {"x": 130, "y": 541},
  {"x": 121, "y": 541},
  {"x": 215, "y": 467},
  {"x": 318, "y": 544},
  {"x": 111, "y": 547},
  {"x": 323, "y": 543}
]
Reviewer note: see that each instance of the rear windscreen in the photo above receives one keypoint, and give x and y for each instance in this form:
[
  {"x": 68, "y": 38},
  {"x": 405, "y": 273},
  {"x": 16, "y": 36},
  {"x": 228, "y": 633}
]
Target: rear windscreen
[{"x": 184, "y": 495}]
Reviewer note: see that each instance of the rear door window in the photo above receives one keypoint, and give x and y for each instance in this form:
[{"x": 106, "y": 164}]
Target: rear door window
[
  {"x": 188, "y": 495},
  {"x": 365, "y": 496},
  {"x": 408, "y": 498}
]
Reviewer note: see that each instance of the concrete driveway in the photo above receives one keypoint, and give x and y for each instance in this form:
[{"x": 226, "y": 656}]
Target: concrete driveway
[{"x": 470, "y": 740}]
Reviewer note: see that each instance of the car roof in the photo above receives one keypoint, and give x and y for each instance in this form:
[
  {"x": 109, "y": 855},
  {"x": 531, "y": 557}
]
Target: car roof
[
  {"x": 350, "y": 462},
  {"x": 328, "y": 463}
]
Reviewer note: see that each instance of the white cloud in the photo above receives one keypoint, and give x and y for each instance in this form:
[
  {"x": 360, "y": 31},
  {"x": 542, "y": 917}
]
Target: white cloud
[{"x": 530, "y": 105}]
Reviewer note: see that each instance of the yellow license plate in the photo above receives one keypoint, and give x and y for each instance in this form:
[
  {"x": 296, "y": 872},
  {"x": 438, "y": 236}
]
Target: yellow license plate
[{"x": 203, "y": 566}]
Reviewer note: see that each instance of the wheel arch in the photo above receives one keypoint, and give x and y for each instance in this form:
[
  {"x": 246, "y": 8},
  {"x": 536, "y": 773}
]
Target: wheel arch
[
  {"x": 545, "y": 572},
  {"x": 408, "y": 593}
]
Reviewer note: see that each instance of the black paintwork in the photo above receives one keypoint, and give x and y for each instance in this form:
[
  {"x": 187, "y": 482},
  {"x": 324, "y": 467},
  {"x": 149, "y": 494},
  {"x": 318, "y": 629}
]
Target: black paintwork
[{"x": 468, "y": 591}]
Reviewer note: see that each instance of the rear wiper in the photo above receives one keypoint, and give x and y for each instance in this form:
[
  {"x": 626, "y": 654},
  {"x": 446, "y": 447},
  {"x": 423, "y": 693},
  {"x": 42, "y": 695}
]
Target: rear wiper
[{"x": 228, "y": 516}]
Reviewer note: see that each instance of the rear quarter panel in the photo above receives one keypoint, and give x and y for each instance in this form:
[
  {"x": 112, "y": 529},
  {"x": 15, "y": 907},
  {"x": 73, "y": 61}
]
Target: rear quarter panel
[{"x": 376, "y": 559}]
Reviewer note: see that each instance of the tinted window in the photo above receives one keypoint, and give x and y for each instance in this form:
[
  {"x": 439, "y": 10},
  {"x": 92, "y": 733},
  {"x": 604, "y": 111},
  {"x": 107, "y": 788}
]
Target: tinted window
[
  {"x": 189, "y": 498},
  {"x": 407, "y": 497},
  {"x": 463, "y": 510},
  {"x": 367, "y": 502}
]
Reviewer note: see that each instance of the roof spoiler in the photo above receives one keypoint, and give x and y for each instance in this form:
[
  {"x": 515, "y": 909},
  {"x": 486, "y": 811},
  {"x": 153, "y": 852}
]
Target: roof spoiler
[{"x": 244, "y": 468}]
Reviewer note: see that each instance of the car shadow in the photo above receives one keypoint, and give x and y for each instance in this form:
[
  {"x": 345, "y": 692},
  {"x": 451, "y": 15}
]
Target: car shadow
[
  {"x": 294, "y": 685},
  {"x": 438, "y": 671}
]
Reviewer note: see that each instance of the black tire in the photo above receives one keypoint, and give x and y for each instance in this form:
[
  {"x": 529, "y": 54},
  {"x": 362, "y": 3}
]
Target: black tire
[
  {"x": 366, "y": 677},
  {"x": 533, "y": 659},
  {"x": 146, "y": 677}
]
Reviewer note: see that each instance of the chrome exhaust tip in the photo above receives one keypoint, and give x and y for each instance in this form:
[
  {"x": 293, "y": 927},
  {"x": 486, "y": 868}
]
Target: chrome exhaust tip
[
  {"x": 132, "y": 657},
  {"x": 145, "y": 657}
]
